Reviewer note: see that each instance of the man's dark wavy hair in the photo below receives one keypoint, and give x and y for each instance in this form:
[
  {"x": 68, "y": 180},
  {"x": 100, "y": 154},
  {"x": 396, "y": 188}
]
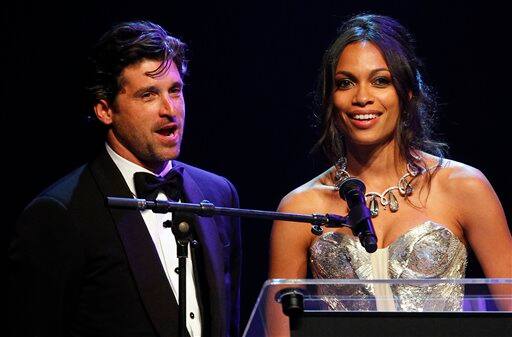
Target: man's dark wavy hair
[
  {"x": 416, "y": 119},
  {"x": 126, "y": 44}
]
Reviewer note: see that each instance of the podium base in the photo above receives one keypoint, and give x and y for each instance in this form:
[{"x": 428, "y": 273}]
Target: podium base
[{"x": 402, "y": 324}]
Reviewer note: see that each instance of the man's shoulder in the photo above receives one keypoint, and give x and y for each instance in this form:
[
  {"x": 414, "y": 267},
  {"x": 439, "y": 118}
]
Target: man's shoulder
[
  {"x": 62, "y": 189},
  {"x": 213, "y": 187},
  {"x": 201, "y": 174}
]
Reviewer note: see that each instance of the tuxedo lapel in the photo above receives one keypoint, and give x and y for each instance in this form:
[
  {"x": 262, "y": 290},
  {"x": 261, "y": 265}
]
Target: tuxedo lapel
[
  {"x": 212, "y": 248},
  {"x": 142, "y": 256}
]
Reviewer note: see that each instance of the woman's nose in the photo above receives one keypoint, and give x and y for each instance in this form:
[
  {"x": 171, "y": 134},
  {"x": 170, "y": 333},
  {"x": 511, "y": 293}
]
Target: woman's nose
[{"x": 362, "y": 96}]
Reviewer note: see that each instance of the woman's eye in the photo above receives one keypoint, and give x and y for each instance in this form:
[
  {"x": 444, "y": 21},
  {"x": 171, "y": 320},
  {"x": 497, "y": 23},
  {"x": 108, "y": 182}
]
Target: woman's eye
[
  {"x": 382, "y": 81},
  {"x": 344, "y": 83}
]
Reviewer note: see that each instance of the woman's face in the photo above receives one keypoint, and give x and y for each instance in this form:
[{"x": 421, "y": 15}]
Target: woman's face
[{"x": 364, "y": 95}]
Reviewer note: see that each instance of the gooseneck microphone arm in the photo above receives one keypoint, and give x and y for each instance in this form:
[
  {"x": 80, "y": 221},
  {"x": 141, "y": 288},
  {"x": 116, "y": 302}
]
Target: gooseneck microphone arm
[{"x": 206, "y": 208}]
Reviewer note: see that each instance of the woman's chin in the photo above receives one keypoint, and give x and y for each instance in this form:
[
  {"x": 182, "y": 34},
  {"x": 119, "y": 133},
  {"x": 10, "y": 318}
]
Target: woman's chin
[{"x": 369, "y": 141}]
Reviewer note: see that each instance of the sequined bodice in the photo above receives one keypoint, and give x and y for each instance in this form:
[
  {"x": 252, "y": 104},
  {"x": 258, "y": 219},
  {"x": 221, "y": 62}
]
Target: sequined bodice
[{"x": 426, "y": 251}]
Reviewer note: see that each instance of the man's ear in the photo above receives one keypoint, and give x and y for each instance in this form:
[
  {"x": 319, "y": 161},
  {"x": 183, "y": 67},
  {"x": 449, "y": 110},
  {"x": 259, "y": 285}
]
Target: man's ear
[
  {"x": 409, "y": 94},
  {"x": 103, "y": 111}
]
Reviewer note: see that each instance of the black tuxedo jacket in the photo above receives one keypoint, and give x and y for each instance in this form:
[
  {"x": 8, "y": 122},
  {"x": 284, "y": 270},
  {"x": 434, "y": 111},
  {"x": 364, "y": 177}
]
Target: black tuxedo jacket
[{"x": 79, "y": 268}]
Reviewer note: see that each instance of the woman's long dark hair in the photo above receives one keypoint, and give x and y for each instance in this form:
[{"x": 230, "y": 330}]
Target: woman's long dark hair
[{"x": 417, "y": 105}]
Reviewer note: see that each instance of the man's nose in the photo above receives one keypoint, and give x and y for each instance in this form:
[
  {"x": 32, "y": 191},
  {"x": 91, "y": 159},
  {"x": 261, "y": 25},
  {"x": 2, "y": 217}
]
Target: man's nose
[{"x": 168, "y": 106}]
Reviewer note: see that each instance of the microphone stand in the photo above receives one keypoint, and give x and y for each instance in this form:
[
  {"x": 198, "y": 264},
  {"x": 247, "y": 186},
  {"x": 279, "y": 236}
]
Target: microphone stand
[
  {"x": 205, "y": 208},
  {"x": 181, "y": 230}
]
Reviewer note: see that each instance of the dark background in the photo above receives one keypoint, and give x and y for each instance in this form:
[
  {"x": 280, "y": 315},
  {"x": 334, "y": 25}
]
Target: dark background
[{"x": 253, "y": 68}]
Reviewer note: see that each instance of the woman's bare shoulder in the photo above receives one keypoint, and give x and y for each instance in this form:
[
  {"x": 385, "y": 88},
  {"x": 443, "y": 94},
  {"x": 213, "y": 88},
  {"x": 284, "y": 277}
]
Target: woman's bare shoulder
[
  {"x": 310, "y": 196},
  {"x": 449, "y": 170},
  {"x": 457, "y": 177}
]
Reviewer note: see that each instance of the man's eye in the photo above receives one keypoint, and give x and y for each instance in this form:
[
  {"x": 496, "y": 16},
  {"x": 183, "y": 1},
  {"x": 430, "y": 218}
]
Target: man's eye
[
  {"x": 176, "y": 90},
  {"x": 344, "y": 83},
  {"x": 147, "y": 95}
]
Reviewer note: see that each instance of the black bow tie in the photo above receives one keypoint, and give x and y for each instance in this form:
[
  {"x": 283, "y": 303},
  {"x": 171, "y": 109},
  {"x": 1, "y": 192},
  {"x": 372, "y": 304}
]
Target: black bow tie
[{"x": 148, "y": 185}]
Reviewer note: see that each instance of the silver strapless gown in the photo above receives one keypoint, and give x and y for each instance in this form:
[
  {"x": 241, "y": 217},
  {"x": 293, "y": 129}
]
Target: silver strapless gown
[{"x": 426, "y": 251}]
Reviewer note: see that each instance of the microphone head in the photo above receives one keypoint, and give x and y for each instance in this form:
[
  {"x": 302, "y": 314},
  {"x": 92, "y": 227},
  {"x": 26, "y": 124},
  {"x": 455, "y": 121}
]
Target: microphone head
[
  {"x": 369, "y": 242},
  {"x": 353, "y": 191},
  {"x": 350, "y": 185}
]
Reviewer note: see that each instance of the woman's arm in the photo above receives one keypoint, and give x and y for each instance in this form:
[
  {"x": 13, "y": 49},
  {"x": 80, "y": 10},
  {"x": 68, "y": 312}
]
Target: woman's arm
[
  {"x": 485, "y": 227},
  {"x": 289, "y": 244},
  {"x": 290, "y": 241}
]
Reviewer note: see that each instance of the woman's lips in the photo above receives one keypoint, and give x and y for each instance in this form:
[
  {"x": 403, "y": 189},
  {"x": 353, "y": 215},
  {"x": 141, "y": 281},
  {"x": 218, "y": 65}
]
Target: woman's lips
[{"x": 364, "y": 120}]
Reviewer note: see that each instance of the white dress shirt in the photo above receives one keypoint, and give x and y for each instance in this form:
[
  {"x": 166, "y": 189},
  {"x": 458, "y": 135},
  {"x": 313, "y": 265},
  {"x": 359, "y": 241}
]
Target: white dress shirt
[{"x": 164, "y": 241}]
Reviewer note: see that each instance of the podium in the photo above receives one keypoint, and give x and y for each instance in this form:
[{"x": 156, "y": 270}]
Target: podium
[{"x": 357, "y": 308}]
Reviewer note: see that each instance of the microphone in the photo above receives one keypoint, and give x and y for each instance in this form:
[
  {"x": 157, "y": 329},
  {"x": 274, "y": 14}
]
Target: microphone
[{"x": 352, "y": 190}]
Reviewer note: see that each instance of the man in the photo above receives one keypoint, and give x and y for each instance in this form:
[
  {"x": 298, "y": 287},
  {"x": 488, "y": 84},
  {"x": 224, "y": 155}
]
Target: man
[{"x": 80, "y": 268}]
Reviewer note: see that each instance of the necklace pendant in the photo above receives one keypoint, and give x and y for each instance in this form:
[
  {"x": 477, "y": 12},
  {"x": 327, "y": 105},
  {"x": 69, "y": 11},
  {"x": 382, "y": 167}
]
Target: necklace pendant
[
  {"x": 408, "y": 190},
  {"x": 374, "y": 207},
  {"x": 393, "y": 203}
]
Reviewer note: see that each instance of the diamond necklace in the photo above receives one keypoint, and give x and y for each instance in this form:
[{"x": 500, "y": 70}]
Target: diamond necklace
[{"x": 387, "y": 197}]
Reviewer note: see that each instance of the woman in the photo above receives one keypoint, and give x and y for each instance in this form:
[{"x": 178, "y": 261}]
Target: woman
[{"x": 375, "y": 116}]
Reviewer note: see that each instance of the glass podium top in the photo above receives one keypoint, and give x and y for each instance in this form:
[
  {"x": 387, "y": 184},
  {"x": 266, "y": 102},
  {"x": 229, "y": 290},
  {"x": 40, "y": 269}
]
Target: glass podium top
[{"x": 281, "y": 300}]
